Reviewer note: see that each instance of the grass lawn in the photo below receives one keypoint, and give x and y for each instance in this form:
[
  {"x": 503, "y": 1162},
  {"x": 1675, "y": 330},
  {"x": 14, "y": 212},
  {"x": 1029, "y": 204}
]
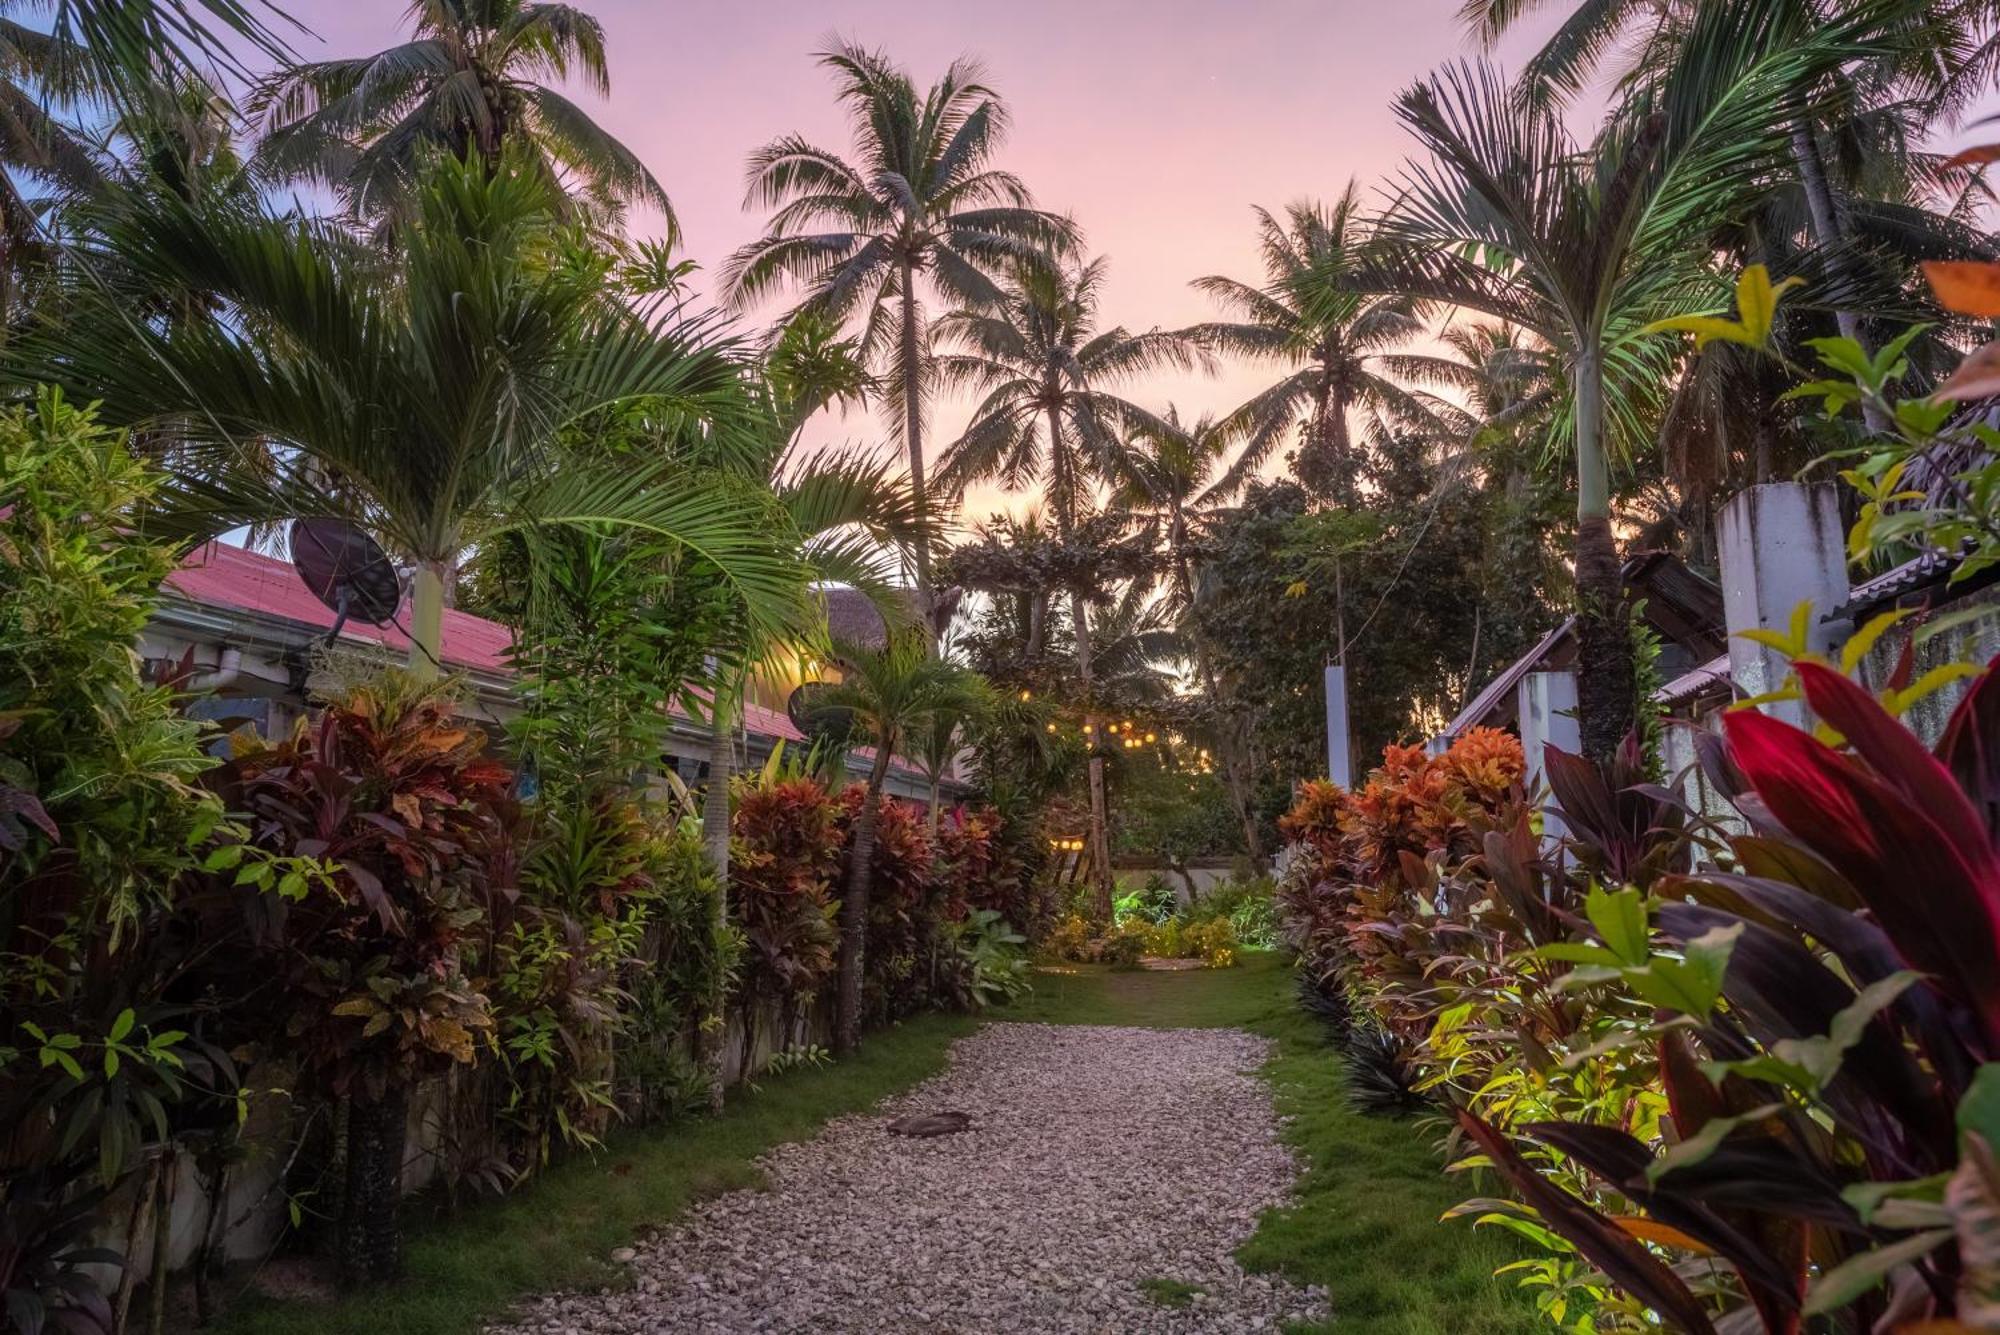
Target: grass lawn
[
  {"x": 559, "y": 1232},
  {"x": 1365, "y": 1222}
]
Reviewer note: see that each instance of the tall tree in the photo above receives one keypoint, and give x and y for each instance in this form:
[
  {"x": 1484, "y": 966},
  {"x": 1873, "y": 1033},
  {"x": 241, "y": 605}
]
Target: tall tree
[
  {"x": 1309, "y": 318},
  {"x": 1854, "y": 125},
  {"x": 473, "y": 80},
  {"x": 1044, "y": 373},
  {"x": 428, "y": 395},
  {"x": 1169, "y": 489},
  {"x": 918, "y": 202},
  {"x": 1583, "y": 245},
  {"x": 891, "y": 692}
]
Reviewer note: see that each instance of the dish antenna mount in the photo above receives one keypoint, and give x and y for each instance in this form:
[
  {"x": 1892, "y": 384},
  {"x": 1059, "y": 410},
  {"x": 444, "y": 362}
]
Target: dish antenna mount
[{"x": 347, "y": 570}]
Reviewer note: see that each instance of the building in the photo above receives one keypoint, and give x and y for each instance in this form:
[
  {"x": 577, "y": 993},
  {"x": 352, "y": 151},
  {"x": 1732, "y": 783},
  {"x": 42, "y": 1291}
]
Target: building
[
  {"x": 1783, "y": 545},
  {"x": 252, "y": 633}
]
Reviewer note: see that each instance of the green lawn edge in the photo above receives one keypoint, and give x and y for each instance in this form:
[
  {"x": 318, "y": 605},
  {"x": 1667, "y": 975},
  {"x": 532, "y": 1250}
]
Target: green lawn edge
[
  {"x": 468, "y": 1268},
  {"x": 1364, "y": 1221}
]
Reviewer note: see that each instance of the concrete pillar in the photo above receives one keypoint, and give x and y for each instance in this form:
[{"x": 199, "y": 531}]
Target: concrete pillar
[
  {"x": 1782, "y": 545},
  {"x": 1339, "y": 767},
  {"x": 1546, "y": 704}
]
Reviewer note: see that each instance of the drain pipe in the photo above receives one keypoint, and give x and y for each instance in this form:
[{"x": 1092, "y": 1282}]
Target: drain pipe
[{"x": 228, "y": 667}]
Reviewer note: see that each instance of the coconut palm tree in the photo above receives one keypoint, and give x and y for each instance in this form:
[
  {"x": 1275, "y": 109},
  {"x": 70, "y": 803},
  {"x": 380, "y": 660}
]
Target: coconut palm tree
[
  {"x": 428, "y": 395},
  {"x": 472, "y": 81},
  {"x": 1172, "y": 483},
  {"x": 1308, "y": 319},
  {"x": 1582, "y": 245},
  {"x": 1858, "y": 165},
  {"x": 892, "y": 692},
  {"x": 1047, "y": 414},
  {"x": 920, "y": 202}
]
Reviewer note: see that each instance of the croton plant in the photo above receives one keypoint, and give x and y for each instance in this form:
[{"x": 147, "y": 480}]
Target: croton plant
[{"x": 1824, "y": 1018}]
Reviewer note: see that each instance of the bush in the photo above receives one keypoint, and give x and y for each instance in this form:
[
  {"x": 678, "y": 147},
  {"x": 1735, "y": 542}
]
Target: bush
[
  {"x": 1124, "y": 945},
  {"x": 124, "y": 977},
  {"x": 1728, "y": 1096}
]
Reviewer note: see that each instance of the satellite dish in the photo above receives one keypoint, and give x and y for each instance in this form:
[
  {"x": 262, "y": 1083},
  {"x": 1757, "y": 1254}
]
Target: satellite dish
[
  {"x": 819, "y": 721},
  {"x": 347, "y": 570}
]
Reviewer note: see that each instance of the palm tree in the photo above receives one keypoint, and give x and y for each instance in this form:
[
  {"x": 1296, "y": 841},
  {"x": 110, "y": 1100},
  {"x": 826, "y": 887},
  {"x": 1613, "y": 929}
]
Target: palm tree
[
  {"x": 920, "y": 200},
  {"x": 472, "y": 81},
  {"x": 845, "y": 511},
  {"x": 1169, "y": 489},
  {"x": 1581, "y": 246},
  {"x": 891, "y": 692},
  {"x": 1046, "y": 414},
  {"x": 428, "y": 395},
  {"x": 1331, "y": 339},
  {"x": 939, "y": 739},
  {"x": 1907, "y": 68}
]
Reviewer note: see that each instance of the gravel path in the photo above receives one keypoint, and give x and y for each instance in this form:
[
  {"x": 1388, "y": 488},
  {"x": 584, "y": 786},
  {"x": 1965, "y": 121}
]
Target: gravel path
[{"x": 1099, "y": 1159}]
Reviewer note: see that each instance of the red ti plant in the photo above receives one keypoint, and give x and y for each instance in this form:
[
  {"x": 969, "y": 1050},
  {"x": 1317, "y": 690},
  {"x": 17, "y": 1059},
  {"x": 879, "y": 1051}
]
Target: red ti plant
[
  {"x": 390, "y": 787},
  {"x": 784, "y": 854},
  {"x": 1828, "y": 1034}
]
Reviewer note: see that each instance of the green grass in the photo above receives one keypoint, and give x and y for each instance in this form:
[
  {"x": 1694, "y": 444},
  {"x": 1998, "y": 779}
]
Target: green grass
[
  {"x": 1169, "y": 1292},
  {"x": 1364, "y": 1223},
  {"x": 558, "y": 1232}
]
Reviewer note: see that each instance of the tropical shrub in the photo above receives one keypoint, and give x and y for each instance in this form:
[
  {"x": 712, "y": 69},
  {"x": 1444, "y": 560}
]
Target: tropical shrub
[
  {"x": 112, "y": 1051},
  {"x": 1071, "y": 940},
  {"x": 1124, "y": 945},
  {"x": 995, "y": 963},
  {"x": 910, "y": 963},
  {"x": 1749, "y": 1095},
  {"x": 787, "y": 836},
  {"x": 376, "y": 975}
]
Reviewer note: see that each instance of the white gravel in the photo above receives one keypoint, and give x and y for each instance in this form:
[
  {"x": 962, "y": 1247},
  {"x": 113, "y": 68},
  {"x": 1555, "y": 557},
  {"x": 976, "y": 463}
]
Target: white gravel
[{"x": 1098, "y": 1159}]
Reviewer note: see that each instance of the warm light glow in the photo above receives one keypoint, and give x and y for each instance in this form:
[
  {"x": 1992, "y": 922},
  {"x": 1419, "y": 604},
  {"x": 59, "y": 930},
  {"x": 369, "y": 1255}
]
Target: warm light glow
[
  {"x": 1027, "y": 695},
  {"x": 1152, "y": 737},
  {"x": 1086, "y": 730},
  {"x": 1052, "y": 727}
]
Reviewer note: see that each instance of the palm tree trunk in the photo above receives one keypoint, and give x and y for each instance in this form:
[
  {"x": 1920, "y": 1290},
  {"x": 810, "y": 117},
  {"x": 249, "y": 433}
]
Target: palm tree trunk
[
  {"x": 936, "y": 793},
  {"x": 1099, "y": 836},
  {"x": 371, "y": 1243},
  {"x": 1605, "y": 707},
  {"x": 1234, "y": 780},
  {"x": 1829, "y": 232},
  {"x": 715, "y": 836},
  {"x": 913, "y": 423},
  {"x": 427, "y": 588},
  {"x": 854, "y": 904}
]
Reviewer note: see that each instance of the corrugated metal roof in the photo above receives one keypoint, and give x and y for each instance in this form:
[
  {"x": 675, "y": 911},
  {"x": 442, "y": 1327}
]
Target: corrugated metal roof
[
  {"x": 219, "y": 575},
  {"x": 1503, "y": 685},
  {"x": 1710, "y": 676}
]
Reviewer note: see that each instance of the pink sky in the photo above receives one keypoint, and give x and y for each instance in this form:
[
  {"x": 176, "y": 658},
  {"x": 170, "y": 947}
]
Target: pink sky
[{"x": 1156, "y": 123}]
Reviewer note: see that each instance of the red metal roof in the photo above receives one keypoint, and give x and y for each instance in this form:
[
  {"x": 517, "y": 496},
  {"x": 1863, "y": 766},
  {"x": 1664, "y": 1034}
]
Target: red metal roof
[{"x": 221, "y": 575}]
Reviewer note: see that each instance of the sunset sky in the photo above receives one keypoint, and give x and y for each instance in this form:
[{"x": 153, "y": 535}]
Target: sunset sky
[{"x": 1156, "y": 123}]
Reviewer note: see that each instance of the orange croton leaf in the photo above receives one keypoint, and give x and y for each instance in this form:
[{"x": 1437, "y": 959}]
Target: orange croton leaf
[
  {"x": 1969, "y": 287},
  {"x": 1977, "y": 377},
  {"x": 1652, "y": 1230}
]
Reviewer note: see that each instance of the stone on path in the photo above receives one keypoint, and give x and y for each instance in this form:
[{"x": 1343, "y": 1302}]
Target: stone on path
[{"x": 1100, "y": 1159}]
